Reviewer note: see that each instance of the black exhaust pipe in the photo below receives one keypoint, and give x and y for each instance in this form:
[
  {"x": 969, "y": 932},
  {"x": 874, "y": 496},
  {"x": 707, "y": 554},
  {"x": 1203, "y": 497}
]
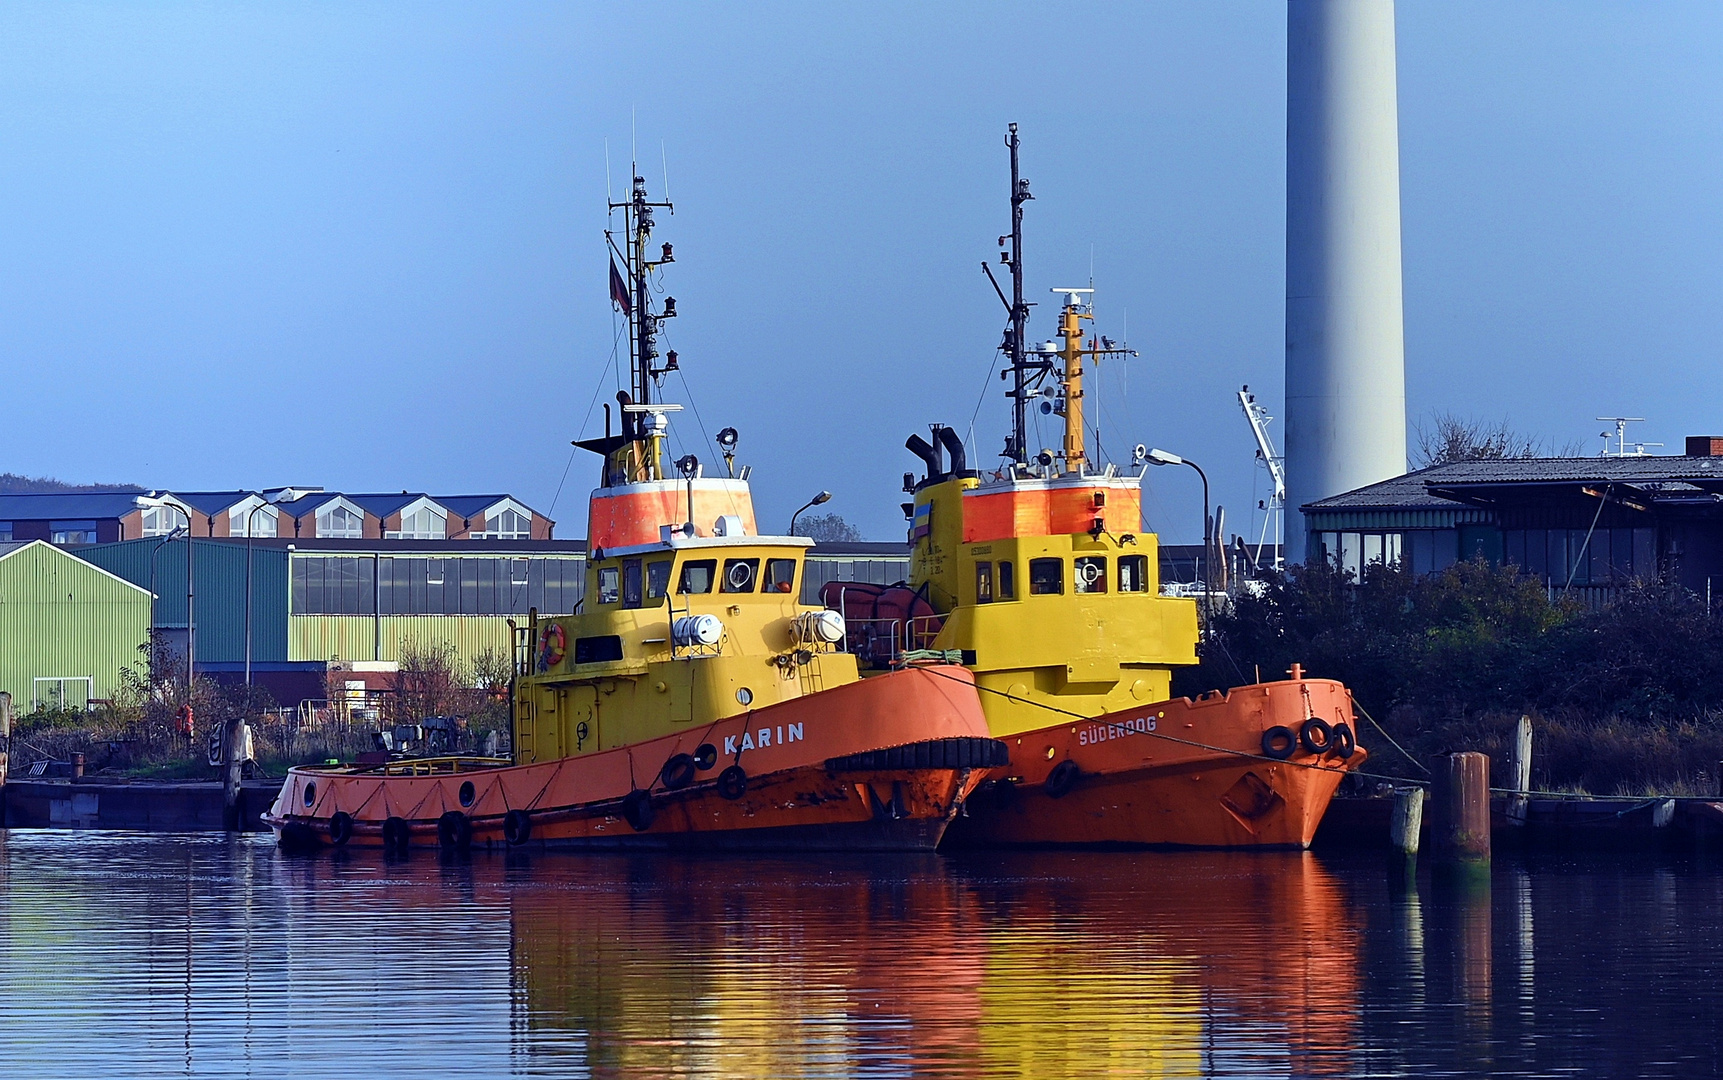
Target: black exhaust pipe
[
  {"x": 924, "y": 450},
  {"x": 954, "y": 447}
]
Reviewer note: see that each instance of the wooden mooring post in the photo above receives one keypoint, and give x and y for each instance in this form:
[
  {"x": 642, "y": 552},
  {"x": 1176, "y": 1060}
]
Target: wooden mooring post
[
  {"x": 1408, "y": 820},
  {"x": 1461, "y": 818},
  {"x": 1522, "y": 768},
  {"x": 233, "y": 764}
]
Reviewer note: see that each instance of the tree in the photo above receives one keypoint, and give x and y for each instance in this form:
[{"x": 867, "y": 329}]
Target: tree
[
  {"x": 430, "y": 680},
  {"x": 828, "y": 529},
  {"x": 1449, "y": 438}
]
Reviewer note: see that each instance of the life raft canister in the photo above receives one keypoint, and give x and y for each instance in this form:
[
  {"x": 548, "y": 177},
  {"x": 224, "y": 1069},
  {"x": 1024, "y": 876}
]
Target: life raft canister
[{"x": 552, "y": 646}]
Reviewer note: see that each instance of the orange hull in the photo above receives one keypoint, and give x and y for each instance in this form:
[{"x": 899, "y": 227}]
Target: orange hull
[
  {"x": 1137, "y": 779},
  {"x": 880, "y": 764}
]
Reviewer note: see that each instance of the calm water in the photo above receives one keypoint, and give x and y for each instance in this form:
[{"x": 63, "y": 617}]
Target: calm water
[{"x": 154, "y": 956}]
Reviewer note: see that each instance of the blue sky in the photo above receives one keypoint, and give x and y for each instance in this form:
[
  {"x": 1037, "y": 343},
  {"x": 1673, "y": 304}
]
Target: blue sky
[{"x": 361, "y": 245}]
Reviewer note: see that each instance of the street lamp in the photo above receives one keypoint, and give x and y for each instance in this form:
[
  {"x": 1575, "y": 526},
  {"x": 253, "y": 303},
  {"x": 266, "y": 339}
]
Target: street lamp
[
  {"x": 250, "y": 528},
  {"x": 824, "y": 496},
  {"x": 1161, "y": 457},
  {"x": 177, "y": 532}
]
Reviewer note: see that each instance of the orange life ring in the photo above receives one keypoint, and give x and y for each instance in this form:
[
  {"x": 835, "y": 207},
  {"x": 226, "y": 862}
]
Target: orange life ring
[{"x": 552, "y": 646}]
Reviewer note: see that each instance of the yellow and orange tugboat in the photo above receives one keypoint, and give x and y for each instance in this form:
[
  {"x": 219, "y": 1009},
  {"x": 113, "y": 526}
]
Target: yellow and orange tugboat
[
  {"x": 1040, "y": 577},
  {"x": 693, "y": 701}
]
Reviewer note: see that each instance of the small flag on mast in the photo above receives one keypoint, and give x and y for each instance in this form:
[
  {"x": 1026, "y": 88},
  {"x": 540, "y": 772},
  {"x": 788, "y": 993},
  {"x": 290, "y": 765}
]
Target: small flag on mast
[{"x": 619, "y": 290}]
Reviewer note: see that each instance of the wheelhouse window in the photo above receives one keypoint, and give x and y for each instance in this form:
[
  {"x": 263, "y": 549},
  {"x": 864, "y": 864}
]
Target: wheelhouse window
[
  {"x": 740, "y": 575},
  {"x": 609, "y": 584},
  {"x": 1046, "y": 577},
  {"x": 1090, "y": 574},
  {"x": 1007, "y": 582},
  {"x": 697, "y": 576},
  {"x": 984, "y": 583},
  {"x": 1133, "y": 573},
  {"x": 780, "y": 575},
  {"x": 657, "y": 579},
  {"x": 633, "y": 584},
  {"x": 340, "y": 523}
]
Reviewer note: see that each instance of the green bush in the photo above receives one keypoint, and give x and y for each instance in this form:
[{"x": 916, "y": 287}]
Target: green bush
[{"x": 1628, "y": 696}]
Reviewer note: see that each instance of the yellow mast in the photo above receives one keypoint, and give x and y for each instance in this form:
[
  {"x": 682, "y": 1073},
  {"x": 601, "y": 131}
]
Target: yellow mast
[{"x": 1071, "y": 328}]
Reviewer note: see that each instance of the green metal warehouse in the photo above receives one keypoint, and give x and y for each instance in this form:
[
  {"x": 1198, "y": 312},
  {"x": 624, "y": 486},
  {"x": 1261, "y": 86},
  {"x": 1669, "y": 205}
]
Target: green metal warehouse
[{"x": 67, "y": 627}]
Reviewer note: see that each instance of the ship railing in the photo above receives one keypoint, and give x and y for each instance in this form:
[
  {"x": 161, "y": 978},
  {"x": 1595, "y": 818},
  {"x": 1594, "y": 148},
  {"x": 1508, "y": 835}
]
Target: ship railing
[{"x": 881, "y": 643}]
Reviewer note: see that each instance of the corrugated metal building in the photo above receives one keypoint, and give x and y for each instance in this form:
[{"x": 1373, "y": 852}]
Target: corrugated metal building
[
  {"x": 66, "y": 626},
  {"x": 362, "y": 600}
]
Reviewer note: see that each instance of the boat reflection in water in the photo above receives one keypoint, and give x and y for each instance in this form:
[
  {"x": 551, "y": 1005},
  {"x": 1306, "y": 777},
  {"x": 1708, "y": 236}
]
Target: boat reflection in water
[{"x": 1041, "y": 965}]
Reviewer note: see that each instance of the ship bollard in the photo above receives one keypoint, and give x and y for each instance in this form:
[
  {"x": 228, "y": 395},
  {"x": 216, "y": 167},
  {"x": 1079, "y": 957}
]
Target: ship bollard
[{"x": 1460, "y": 816}]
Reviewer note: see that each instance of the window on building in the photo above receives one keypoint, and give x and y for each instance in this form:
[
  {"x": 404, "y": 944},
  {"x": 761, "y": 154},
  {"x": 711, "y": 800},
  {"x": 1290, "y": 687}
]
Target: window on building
[
  {"x": 780, "y": 575},
  {"x": 984, "y": 583},
  {"x": 425, "y": 523},
  {"x": 261, "y": 520},
  {"x": 335, "y": 585},
  {"x": 158, "y": 520},
  {"x": 339, "y": 523},
  {"x": 657, "y": 579},
  {"x": 520, "y": 571},
  {"x": 633, "y": 583},
  {"x": 72, "y": 532},
  {"x": 1046, "y": 577},
  {"x": 1007, "y": 582},
  {"x": 1354, "y": 552},
  {"x": 697, "y": 576},
  {"x": 1090, "y": 574},
  {"x": 609, "y": 584},
  {"x": 739, "y": 575},
  {"x": 5, "y": 530},
  {"x": 1133, "y": 573},
  {"x": 508, "y": 525}
]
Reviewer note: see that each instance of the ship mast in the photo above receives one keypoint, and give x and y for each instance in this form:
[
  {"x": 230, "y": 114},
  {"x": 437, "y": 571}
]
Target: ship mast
[{"x": 630, "y": 290}]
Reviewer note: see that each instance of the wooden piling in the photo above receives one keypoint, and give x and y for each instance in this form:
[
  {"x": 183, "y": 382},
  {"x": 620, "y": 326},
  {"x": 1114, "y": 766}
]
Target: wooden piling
[
  {"x": 1521, "y": 764},
  {"x": 1408, "y": 820},
  {"x": 233, "y": 761},
  {"x": 1461, "y": 814}
]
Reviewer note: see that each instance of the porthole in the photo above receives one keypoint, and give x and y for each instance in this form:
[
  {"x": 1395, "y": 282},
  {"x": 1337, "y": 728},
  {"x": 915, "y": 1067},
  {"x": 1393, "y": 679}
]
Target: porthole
[
  {"x": 311, "y": 793},
  {"x": 467, "y": 793},
  {"x": 745, "y": 696}
]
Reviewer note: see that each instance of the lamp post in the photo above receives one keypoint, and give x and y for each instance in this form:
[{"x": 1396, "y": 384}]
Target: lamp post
[
  {"x": 175, "y": 534},
  {"x": 1161, "y": 457},
  {"x": 250, "y": 528},
  {"x": 824, "y": 496}
]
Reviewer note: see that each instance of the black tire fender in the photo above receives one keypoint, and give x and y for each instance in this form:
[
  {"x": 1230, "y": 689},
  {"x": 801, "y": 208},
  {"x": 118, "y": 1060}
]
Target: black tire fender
[
  {"x": 733, "y": 783},
  {"x": 454, "y": 831},
  {"x": 517, "y": 827},
  {"x": 1063, "y": 777},
  {"x": 1279, "y": 743},
  {"x": 1344, "y": 742},
  {"x": 1316, "y": 736},
  {"x": 396, "y": 835},
  {"x": 678, "y": 772},
  {"x": 340, "y": 828},
  {"x": 637, "y": 810}
]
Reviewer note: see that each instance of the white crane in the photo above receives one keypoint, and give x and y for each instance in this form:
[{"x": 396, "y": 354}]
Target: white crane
[{"x": 1275, "y": 506}]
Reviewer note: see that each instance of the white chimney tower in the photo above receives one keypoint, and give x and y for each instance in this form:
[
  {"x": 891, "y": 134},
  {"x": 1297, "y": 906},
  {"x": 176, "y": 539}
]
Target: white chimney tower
[{"x": 1345, "y": 339}]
